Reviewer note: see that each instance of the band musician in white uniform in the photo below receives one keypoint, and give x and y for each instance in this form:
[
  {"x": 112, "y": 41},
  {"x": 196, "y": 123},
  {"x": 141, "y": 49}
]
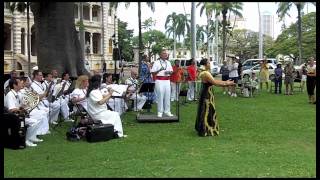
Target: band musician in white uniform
[
  {"x": 97, "y": 107},
  {"x": 12, "y": 102},
  {"x": 162, "y": 70},
  {"x": 133, "y": 91}
]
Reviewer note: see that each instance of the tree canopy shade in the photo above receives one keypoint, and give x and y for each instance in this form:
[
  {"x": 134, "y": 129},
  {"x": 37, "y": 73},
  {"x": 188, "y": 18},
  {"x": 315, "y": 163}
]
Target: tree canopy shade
[{"x": 287, "y": 40}]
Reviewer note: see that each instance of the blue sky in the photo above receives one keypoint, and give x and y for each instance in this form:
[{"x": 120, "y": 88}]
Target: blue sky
[{"x": 250, "y": 12}]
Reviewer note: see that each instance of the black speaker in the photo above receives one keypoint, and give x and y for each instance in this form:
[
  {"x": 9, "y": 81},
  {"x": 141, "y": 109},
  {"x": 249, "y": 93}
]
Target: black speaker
[
  {"x": 116, "y": 54},
  {"x": 14, "y": 131}
]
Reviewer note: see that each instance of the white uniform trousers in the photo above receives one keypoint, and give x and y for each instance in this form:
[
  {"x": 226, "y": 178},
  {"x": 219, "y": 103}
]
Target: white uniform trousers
[
  {"x": 162, "y": 88},
  {"x": 191, "y": 90},
  {"x": 34, "y": 124},
  {"x": 174, "y": 91},
  {"x": 43, "y": 113},
  {"x": 117, "y": 105},
  {"x": 138, "y": 101},
  {"x": 54, "y": 108},
  {"x": 64, "y": 108},
  {"x": 110, "y": 117}
]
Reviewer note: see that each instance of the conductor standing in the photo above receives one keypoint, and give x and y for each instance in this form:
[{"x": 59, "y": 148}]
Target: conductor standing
[{"x": 162, "y": 70}]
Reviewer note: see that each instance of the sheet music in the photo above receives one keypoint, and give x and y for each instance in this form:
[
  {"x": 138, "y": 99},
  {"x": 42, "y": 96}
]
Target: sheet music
[{"x": 120, "y": 88}]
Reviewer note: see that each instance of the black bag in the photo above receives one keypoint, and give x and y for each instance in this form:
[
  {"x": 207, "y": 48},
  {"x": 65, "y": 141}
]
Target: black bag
[
  {"x": 102, "y": 132},
  {"x": 14, "y": 131},
  {"x": 76, "y": 133}
]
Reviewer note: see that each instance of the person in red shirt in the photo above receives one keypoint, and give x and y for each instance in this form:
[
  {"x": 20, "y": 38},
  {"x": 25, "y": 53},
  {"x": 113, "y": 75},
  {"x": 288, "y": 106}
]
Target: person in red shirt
[
  {"x": 175, "y": 80},
  {"x": 192, "y": 74}
]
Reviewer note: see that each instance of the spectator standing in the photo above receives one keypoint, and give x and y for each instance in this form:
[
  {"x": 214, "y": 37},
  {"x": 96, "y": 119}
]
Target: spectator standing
[
  {"x": 192, "y": 74},
  {"x": 311, "y": 80},
  {"x": 278, "y": 78},
  {"x": 224, "y": 71},
  {"x": 288, "y": 79},
  {"x": 264, "y": 73}
]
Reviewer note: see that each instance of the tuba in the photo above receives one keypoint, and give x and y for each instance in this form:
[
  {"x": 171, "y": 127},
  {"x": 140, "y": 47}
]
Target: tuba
[{"x": 30, "y": 100}]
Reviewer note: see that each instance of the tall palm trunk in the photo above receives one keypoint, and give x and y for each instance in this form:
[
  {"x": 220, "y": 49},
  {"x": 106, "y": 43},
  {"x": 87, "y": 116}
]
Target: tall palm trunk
[
  {"x": 81, "y": 32},
  {"x": 193, "y": 31},
  {"x": 208, "y": 40},
  {"x": 224, "y": 23},
  {"x": 140, "y": 36},
  {"x": 28, "y": 40},
  {"x": 299, "y": 34},
  {"x": 58, "y": 45},
  {"x": 174, "y": 44}
]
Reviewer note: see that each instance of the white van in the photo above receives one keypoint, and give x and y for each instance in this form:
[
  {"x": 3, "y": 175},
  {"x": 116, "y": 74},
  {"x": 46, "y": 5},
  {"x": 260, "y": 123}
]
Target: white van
[{"x": 247, "y": 64}]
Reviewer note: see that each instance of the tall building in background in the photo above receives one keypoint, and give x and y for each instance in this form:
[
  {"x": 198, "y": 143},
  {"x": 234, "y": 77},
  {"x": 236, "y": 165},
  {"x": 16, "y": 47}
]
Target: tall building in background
[
  {"x": 268, "y": 24},
  {"x": 100, "y": 24},
  {"x": 239, "y": 23}
]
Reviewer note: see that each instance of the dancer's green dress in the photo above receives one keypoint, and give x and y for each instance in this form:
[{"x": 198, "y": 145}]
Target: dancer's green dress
[{"x": 206, "y": 122}]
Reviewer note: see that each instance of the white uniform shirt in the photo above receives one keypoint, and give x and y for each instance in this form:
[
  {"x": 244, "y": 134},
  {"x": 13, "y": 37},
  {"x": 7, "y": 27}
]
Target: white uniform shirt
[
  {"x": 80, "y": 93},
  {"x": 12, "y": 100},
  {"x": 6, "y": 84},
  {"x": 132, "y": 84},
  {"x": 162, "y": 64},
  {"x": 38, "y": 87},
  {"x": 93, "y": 106}
]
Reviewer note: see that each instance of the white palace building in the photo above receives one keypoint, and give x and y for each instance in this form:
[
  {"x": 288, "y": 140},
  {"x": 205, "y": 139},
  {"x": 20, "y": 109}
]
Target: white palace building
[{"x": 99, "y": 25}]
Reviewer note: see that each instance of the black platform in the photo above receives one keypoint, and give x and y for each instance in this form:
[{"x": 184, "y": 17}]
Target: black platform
[{"x": 155, "y": 118}]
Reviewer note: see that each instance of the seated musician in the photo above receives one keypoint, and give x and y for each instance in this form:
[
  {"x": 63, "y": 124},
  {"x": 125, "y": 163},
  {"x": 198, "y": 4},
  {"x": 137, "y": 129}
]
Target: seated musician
[
  {"x": 50, "y": 87},
  {"x": 78, "y": 96},
  {"x": 97, "y": 107},
  {"x": 64, "y": 97},
  {"x": 132, "y": 91},
  {"x": 115, "y": 103},
  {"x": 38, "y": 112},
  {"x": 52, "y": 108},
  {"x": 12, "y": 103}
]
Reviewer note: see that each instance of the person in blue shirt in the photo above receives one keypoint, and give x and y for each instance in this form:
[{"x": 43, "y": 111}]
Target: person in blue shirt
[
  {"x": 146, "y": 77},
  {"x": 278, "y": 79}
]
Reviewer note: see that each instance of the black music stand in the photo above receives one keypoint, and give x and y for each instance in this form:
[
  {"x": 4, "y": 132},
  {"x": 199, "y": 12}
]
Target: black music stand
[{"x": 147, "y": 88}]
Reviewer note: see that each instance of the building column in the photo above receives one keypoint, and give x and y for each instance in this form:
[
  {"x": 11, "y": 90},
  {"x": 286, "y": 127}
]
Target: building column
[
  {"x": 105, "y": 46},
  {"x": 101, "y": 44},
  {"x": 26, "y": 43},
  {"x": 90, "y": 12},
  {"x": 16, "y": 40},
  {"x": 91, "y": 43}
]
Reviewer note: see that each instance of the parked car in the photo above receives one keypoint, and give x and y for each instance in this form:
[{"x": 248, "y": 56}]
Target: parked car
[
  {"x": 247, "y": 64},
  {"x": 248, "y": 72}
]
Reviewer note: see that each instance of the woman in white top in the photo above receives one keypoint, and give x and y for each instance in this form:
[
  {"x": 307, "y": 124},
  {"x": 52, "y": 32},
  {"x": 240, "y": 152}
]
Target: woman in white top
[
  {"x": 78, "y": 95},
  {"x": 97, "y": 107}
]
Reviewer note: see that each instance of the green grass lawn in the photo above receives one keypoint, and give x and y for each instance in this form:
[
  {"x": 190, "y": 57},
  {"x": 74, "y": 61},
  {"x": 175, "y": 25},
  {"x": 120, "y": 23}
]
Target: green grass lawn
[{"x": 265, "y": 136}]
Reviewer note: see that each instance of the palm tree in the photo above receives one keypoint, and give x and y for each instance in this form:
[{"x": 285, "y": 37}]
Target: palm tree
[
  {"x": 170, "y": 27},
  {"x": 225, "y": 7},
  {"x": 209, "y": 7},
  {"x": 177, "y": 25},
  {"x": 151, "y": 5},
  {"x": 283, "y": 9}
]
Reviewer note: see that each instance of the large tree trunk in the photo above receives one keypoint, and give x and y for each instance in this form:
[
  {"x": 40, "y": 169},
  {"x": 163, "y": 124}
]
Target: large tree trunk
[
  {"x": 224, "y": 23},
  {"x": 140, "y": 37},
  {"x": 299, "y": 34},
  {"x": 58, "y": 45}
]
